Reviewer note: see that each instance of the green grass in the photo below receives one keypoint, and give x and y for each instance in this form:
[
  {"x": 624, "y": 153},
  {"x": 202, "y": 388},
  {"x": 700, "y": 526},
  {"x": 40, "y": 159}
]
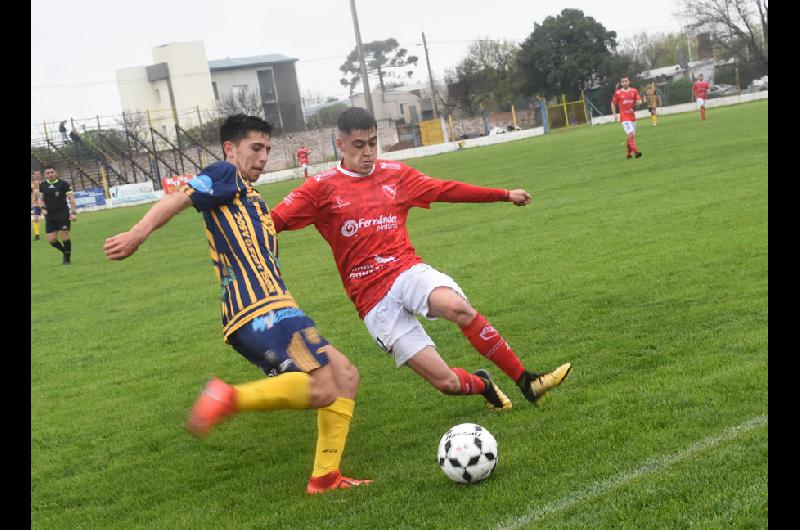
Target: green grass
[{"x": 649, "y": 275}]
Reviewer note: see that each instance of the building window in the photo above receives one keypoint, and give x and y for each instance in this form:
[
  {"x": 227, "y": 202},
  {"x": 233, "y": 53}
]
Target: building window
[{"x": 214, "y": 86}]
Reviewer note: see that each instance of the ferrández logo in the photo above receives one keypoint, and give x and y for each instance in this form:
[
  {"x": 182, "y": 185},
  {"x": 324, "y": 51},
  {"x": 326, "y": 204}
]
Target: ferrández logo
[{"x": 384, "y": 222}]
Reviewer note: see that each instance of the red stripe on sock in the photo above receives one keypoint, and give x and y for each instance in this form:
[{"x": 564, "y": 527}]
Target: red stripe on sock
[
  {"x": 493, "y": 346},
  {"x": 470, "y": 384}
]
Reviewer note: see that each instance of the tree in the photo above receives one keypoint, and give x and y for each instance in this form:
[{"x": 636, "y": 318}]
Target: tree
[
  {"x": 241, "y": 102},
  {"x": 657, "y": 50},
  {"x": 739, "y": 27},
  {"x": 381, "y": 57},
  {"x": 565, "y": 54},
  {"x": 326, "y": 116},
  {"x": 485, "y": 74}
]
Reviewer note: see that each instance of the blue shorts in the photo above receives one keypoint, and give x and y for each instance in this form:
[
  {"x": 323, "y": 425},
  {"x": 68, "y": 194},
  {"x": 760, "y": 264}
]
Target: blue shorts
[
  {"x": 35, "y": 210},
  {"x": 285, "y": 340}
]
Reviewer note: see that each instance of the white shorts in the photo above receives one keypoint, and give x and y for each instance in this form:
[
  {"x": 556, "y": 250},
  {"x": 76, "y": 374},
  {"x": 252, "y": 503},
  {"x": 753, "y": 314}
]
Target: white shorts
[
  {"x": 392, "y": 324},
  {"x": 701, "y": 102},
  {"x": 629, "y": 127}
]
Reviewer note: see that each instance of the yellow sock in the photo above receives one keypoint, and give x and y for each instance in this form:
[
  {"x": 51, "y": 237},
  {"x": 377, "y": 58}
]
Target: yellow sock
[
  {"x": 333, "y": 424},
  {"x": 36, "y": 228},
  {"x": 285, "y": 391},
  {"x": 654, "y": 119}
]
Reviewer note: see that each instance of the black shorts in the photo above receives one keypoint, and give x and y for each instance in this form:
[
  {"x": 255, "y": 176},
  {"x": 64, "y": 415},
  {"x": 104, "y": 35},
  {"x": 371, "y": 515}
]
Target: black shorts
[
  {"x": 56, "y": 221},
  {"x": 652, "y": 110}
]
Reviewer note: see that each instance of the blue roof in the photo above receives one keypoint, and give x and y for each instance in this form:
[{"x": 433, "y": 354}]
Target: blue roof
[{"x": 249, "y": 62}]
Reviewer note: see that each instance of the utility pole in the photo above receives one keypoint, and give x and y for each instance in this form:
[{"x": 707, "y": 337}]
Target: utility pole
[
  {"x": 364, "y": 80},
  {"x": 430, "y": 76}
]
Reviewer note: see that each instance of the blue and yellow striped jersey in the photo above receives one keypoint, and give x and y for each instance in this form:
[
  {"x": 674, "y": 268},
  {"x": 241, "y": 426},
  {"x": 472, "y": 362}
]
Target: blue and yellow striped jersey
[{"x": 244, "y": 246}]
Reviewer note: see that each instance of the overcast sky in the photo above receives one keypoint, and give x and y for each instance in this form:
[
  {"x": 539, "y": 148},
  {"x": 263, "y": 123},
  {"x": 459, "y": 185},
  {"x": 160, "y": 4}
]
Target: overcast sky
[{"x": 77, "y": 45}]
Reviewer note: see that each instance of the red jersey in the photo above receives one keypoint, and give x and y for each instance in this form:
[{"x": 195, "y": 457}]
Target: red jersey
[
  {"x": 302, "y": 155},
  {"x": 700, "y": 89},
  {"x": 363, "y": 219},
  {"x": 625, "y": 100}
]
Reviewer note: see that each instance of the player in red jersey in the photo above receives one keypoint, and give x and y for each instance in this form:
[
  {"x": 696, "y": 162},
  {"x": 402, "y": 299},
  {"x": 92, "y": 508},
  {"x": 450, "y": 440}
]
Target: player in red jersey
[
  {"x": 627, "y": 98},
  {"x": 700, "y": 91},
  {"x": 360, "y": 207},
  {"x": 302, "y": 159}
]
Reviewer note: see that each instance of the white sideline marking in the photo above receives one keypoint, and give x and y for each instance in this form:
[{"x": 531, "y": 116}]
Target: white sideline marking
[{"x": 654, "y": 464}]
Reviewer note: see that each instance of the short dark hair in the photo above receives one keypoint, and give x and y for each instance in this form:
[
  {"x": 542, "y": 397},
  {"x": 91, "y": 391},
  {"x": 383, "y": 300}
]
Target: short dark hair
[
  {"x": 356, "y": 119},
  {"x": 238, "y": 126},
  {"x": 47, "y": 166}
]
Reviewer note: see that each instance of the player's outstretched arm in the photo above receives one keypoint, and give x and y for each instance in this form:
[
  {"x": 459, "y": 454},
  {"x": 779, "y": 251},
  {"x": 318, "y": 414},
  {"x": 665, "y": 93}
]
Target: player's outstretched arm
[
  {"x": 125, "y": 244},
  {"x": 519, "y": 197}
]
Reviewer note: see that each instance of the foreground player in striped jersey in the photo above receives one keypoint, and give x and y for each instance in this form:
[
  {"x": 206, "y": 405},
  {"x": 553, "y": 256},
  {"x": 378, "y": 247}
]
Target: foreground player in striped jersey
[
  {"x": 360, "y": 208},
  {"x": 260, "y": 318}
]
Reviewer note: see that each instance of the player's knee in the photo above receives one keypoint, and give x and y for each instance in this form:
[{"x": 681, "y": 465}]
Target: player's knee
[
  {"x": 348, "y": 380},
  {"x": 452, "y": 306},
  {"x": 462, "y": 312}
]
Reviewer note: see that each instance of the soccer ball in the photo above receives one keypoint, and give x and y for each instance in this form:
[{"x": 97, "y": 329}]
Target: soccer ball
[{"x": 467, "y": 453}]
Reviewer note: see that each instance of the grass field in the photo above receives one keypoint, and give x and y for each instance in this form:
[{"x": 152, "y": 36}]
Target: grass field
[{"x": 649, "y": 275}]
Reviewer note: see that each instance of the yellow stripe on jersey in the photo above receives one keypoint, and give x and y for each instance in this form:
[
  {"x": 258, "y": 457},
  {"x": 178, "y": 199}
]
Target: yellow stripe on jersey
[
  {"x": 210, "y": 238},
  {"x": 299, "y": 353},
  {"x": 250, "y": 291},
  {"x": 268, "y": 228},
  {"x": 227, "y": 263},
  {"x": 252, "y": 311},
  {"x": 238, "y": 233},
  {"x": 267, "y": 274}
]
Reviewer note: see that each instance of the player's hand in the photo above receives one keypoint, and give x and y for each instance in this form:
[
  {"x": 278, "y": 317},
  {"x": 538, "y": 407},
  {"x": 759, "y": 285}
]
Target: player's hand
[
  {"x": 122, "y": 245},
  {"x": 519, "y": 197},
  {"x": 73, "y": 217},
  {"x": 43, "y": 211}
]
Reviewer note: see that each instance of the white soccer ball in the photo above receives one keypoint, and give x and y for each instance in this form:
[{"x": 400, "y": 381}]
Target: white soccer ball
[{"x": 467, "y": 453}]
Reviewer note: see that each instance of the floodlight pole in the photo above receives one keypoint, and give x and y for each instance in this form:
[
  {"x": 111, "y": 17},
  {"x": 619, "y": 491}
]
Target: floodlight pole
[{"x": 364, "y": 79}]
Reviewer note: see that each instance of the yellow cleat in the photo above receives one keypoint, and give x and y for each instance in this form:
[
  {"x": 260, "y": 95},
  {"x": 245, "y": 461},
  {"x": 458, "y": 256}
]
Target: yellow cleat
[
  {"x": 495, "y": 398},
  {"x": 536, "y": 384}
]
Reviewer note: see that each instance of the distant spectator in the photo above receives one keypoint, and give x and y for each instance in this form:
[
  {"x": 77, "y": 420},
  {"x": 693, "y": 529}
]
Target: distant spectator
[
  {"x": 75, "y": 136},
  {"x": 62, "y": 128}
]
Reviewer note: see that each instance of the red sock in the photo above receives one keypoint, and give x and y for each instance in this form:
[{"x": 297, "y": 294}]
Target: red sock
[
  {"x": 702, "y": 113},
  {"x": 494, "y": 347},
  {"x": 632, "y": 143},
  {"x": 470, "y": 384}
]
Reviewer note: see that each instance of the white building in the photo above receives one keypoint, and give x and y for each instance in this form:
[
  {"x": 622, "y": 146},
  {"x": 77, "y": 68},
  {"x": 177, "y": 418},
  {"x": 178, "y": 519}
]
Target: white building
[
  {"x": 179, "y": 77},
  {"x": 403, "y": 104},
  {"x": 270, "y": 77}
]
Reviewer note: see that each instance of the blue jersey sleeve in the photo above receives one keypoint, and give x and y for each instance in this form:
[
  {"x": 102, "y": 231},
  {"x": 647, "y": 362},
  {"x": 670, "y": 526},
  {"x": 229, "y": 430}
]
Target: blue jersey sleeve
[{"x": 215, "y": 185}]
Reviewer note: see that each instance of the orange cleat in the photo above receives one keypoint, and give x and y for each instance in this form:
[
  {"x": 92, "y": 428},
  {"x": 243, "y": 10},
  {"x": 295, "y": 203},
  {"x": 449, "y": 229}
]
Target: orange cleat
[
  {"x": 333, "y": 481},
  {"x": 216, "y": 402}
]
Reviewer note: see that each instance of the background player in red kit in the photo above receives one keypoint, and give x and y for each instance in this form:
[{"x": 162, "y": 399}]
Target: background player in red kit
[
  {"x": 700, "y": 91},
  {"x": 302, "y": 159},
  {"x": 627, "y": 98},
  {"x": 360, "y": 208}
]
